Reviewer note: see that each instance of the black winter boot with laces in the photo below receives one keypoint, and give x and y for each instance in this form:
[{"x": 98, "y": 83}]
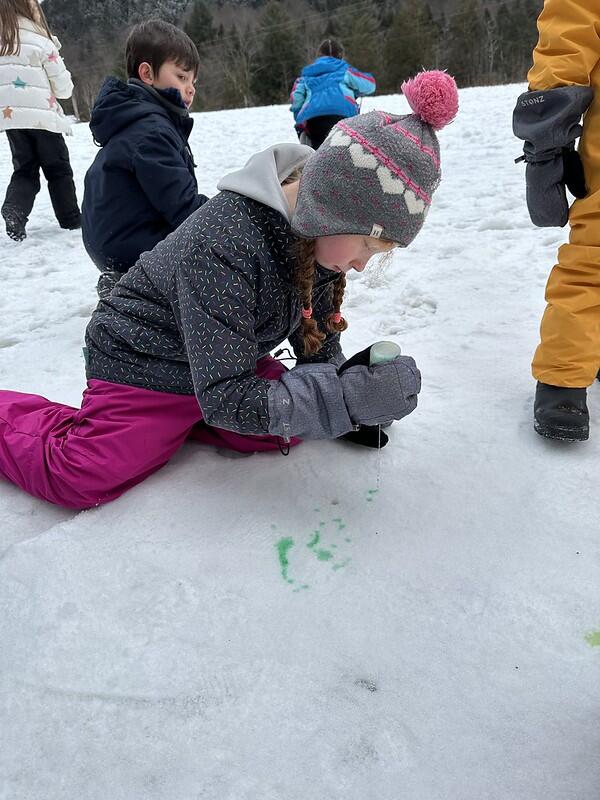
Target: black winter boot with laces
[{"x": 561, "y": 413}]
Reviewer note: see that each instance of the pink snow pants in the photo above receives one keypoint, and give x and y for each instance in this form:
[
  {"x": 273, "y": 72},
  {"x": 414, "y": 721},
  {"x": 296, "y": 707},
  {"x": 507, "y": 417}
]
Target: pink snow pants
[{"x": 84, "y": 457}]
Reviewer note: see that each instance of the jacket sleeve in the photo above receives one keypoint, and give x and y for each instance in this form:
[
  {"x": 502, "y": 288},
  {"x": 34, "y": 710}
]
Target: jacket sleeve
[
  {"x": 216, "y": 313},
  {"x": 331, "y": 351},
  {"x": 165, "y": 178},
  {"x": 54, "y": 67},
  {"x": 298, "y": 96},
  {"x": 361, "y": 82},
  {"x": 568, "y": 46}
]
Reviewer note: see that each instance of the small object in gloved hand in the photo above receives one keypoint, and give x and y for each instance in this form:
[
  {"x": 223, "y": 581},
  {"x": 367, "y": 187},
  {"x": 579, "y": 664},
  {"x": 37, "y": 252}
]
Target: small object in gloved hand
[
  {"x": 314, "y": 401},
  {"x": 369, "y": 435}
]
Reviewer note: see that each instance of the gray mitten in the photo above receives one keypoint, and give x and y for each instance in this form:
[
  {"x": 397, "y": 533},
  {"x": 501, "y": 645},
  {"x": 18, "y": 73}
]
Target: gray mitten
[
  {"x": 549, "y": 122},
  {"x": 308, "y": 402},
  {"x": 379, "y": 394},
  {"x": 314, "y": 402}
]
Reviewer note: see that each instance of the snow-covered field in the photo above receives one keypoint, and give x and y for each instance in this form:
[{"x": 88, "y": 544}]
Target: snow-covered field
[{"x": 418, "y": 624}]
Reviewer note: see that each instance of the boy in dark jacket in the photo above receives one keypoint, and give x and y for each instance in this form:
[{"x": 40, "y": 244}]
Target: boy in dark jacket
[{"x": 141, "y": 186}]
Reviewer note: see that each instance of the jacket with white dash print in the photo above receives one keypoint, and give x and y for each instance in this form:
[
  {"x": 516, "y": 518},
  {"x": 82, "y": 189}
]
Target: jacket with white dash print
[{"x": 195, "y": 314}]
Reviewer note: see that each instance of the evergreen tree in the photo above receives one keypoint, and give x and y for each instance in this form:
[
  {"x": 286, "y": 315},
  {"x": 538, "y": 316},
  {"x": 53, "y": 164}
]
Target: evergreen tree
[
  {"x": 199, "y": 26},
  {"x": 517, "y": 37},
  {"x": 362, "y": 38},
  {"x": 279, "y": 58},
  {"x": 464, "y": 37},
  {"x": 410, "y": 44}
]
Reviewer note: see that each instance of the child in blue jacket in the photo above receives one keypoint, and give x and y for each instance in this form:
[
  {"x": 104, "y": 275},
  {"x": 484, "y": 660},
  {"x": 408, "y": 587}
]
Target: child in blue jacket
[
  {"x": 326, "y": 92},
  {"x": 141, "y": 186}
]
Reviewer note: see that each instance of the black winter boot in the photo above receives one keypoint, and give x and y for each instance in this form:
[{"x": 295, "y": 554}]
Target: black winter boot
[
  {"x": 561, "y": 413},
  {"x": 15, "y": 224},
  {"x": 73, "y": 223}
]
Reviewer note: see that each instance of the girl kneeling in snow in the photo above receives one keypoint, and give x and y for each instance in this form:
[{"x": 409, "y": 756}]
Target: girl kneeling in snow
[{"x": 185, "y": 335}]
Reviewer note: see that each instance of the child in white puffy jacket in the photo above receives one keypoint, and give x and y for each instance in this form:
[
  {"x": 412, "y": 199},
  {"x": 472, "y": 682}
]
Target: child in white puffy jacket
[{"x": 32, "y": 77}]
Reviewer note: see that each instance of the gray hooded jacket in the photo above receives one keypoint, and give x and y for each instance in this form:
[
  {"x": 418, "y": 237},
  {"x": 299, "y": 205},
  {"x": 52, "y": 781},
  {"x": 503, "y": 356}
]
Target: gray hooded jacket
[{"x": 195, "y": 314}]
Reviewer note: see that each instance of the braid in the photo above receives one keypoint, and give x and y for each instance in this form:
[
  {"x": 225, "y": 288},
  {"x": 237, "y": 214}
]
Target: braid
[
  {"x": 336, "y": 323},
  {"x": 304, "y": 276}
]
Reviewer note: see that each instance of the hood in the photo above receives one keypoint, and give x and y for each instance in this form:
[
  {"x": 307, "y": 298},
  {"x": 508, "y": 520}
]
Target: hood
[
  {"x": 324, "y": 65},
  {"x": 119, "y": 104},
  {"x": 264, "y": 173},
  {"x": 36, "y": 27}
]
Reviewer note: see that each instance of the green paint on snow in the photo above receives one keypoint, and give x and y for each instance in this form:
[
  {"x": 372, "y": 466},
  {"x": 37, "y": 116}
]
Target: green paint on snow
[
  {"x": 324, "y": 555},
  {"x": 341, "y": 564},
  {"x": 314, "y": 542},
  {"x": 283, "y": 547},
  {"x": 593, "y": 639}
]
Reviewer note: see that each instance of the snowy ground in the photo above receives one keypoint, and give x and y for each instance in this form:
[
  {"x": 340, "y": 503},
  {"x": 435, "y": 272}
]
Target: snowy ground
[{"x": 196, "y": 639}]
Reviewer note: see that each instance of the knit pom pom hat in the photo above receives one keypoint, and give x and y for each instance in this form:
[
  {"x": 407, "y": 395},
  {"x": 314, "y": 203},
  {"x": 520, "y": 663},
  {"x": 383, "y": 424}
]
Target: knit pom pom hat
[{"x": 375, "y": 174}]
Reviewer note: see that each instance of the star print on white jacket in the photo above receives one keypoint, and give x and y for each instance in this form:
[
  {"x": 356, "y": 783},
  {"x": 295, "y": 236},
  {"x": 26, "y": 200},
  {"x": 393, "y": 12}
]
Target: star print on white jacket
[{"x": 31, "y": 80}]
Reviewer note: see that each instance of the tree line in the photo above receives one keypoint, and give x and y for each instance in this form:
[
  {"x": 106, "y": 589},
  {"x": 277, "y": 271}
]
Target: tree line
[{"x": 252, "y": 50}]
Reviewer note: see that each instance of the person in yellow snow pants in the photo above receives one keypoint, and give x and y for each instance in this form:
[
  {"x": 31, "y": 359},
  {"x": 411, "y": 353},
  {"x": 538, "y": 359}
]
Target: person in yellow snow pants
[{"x": 564, "y": 85}]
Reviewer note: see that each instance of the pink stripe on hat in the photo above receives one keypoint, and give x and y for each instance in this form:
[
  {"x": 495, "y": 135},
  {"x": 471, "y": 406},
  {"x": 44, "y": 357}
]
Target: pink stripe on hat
[
  {"x": 385, "y": 117},
  {"x": 423, "y": 148},
  {"x": 386, "y": 161}
]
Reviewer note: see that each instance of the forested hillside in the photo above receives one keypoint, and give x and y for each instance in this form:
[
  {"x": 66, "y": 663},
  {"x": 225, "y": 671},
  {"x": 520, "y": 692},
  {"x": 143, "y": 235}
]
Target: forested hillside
[{"x": 252, "y": 51}]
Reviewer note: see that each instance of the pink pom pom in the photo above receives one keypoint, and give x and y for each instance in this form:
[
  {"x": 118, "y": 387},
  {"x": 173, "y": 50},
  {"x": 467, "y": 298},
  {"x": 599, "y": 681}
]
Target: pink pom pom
[{"x": 433, "y": 96}]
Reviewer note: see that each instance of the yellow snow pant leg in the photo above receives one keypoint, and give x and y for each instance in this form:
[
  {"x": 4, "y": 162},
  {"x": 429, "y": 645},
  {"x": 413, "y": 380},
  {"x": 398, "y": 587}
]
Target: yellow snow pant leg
[{"x": 569, "y": 352}]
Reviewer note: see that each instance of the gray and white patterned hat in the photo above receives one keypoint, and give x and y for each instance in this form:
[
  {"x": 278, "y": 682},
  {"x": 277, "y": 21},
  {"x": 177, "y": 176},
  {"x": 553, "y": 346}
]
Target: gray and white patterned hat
[{"x": 375, "y": 174}]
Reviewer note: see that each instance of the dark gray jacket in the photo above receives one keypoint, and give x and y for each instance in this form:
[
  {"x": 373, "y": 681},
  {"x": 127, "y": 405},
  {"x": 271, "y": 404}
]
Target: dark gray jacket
[{"x": 195, "y": 314}]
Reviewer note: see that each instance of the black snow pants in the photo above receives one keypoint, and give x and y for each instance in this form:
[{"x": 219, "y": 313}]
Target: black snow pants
[
  {"x": 32, "y": 149},
  {"x": 317, "y": 128}
]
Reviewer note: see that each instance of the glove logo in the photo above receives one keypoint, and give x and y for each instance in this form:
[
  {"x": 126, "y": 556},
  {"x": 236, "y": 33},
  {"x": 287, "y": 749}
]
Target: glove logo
[{"x": 533, "y": 101}]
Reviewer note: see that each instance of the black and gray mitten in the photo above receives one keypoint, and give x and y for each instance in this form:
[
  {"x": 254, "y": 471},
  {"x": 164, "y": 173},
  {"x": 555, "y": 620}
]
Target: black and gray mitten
[
  {"x": 313, "y": 401},
  {"x": 549, "y": 123}
]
